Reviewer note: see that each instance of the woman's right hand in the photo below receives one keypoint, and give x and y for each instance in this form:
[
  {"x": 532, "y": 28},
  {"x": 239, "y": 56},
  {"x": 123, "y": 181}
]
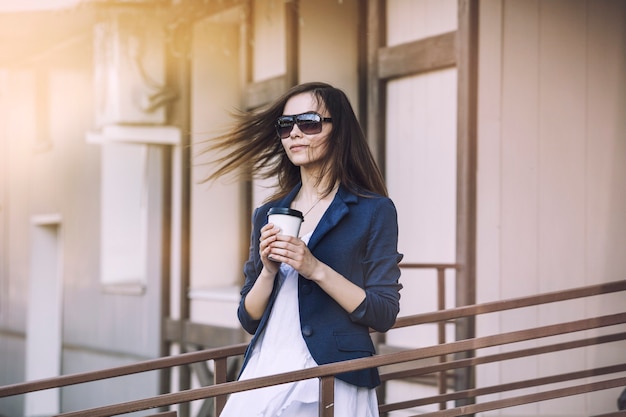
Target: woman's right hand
[
  {"x": 257, "y": 298},
  {"x": 268, "y": 236}
]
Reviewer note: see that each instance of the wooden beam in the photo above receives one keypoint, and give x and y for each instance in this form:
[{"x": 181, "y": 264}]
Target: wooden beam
[
  {"x": 375, "y": 122},
  {"x": 467, "y": 102},
  {"x": 429, "y": 54},
  {"x": 292, "y": 37}
]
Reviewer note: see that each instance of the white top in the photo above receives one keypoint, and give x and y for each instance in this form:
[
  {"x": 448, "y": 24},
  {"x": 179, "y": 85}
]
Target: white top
[{"x": 281, "y": 348}]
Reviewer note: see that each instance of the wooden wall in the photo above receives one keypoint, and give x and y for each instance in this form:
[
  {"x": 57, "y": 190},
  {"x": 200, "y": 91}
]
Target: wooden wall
[{"x": 551, "y": 173}]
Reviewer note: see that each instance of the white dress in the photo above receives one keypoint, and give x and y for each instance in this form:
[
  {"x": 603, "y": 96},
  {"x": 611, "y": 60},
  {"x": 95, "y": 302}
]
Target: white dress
[{"x": 281, "y": 348}]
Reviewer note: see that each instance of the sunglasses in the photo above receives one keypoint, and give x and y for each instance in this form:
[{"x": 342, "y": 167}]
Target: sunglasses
[{"x": 309, "y": 123}]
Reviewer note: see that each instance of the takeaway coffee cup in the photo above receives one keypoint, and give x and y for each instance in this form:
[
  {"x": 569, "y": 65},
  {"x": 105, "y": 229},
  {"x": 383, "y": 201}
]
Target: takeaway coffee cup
[{"x": 286, "y": 219}]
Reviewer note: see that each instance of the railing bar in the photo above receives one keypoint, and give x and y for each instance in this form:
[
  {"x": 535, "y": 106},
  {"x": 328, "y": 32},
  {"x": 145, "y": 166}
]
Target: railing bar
[
  {"x": 186, "y": 358},
  {"x": 351, "y": 365},
  {"x": 504, "y": 338},
  {"x": 327, "y": 396},
  {"x": 495, "y": 389},
  {"x": 527, "y": 399},
  {"x": 513, "y": 303},
  {"x": 499, "y": 357},
  {"x": 149, "y": 365}
]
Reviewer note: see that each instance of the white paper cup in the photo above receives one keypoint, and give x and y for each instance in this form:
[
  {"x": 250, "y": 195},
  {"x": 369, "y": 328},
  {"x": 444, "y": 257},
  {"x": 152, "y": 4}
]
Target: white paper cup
[{"x": 286, "y": 219}]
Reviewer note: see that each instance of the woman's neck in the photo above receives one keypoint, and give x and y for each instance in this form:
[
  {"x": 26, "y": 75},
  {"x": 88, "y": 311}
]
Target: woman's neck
[{"x": 313, "y": 189}]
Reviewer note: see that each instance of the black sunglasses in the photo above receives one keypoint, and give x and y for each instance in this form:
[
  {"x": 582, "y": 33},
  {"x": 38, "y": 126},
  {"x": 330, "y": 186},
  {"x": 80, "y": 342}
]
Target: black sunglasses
[{"x": 309, "y": 123}]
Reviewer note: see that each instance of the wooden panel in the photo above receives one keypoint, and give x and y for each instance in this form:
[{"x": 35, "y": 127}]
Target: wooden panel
[
  {"x": 606, "y": 171},
  {"x": 489, "y": 187},
  {"x": 270, "y": 40},
  {"x": 606, "y": 142},
  {"x": 562, "y": 147},
  {"x": 519, "y": 158},
  {"x": 337, "y": 43},
  {"x": 429, "y": 54},
  {"x": 562, "y": 155},
  {"x": 421, "y": 163},
  {"x": 519, "y": 166},
  {"x": 418, "y": 19},
  {"x": 556, "y": 136}
]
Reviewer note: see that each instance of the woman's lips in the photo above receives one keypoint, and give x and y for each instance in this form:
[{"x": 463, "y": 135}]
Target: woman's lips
[{"x": 296, "y": 148}]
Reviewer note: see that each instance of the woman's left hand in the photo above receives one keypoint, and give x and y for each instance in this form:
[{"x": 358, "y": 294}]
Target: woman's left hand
[{"x": 295, "y": 253}]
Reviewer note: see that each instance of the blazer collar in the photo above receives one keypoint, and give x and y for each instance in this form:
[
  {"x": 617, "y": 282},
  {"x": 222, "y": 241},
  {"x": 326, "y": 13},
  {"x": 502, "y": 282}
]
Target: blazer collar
[{"x": 336, "y": 211}]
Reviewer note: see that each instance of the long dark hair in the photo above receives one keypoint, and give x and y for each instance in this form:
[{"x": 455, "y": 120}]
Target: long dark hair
[{"x": 253, "y": 146}]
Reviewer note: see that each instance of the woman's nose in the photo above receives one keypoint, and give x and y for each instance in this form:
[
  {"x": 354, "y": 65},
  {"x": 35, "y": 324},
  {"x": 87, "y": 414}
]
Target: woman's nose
[{"x": 295, "y": 129}]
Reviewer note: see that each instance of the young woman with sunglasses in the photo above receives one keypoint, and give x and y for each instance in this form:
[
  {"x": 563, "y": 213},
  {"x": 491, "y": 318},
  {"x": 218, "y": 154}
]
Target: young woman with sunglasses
[{"x": 311, "y": 300}]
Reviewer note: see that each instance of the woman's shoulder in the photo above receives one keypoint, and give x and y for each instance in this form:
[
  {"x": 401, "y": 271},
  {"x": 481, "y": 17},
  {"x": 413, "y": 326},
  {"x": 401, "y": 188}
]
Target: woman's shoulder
[{"x": 368, "y": 197}]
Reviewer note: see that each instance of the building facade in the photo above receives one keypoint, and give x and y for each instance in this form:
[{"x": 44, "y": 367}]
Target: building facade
[{"x": 500, "y": 126}]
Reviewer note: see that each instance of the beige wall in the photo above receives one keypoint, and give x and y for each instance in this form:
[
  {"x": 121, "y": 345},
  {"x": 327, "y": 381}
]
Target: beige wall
[{"x": 551, "y": 175}]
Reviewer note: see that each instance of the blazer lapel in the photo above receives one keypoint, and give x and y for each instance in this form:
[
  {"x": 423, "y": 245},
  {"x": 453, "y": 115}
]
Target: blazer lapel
[{"x": 335, "y": 212}]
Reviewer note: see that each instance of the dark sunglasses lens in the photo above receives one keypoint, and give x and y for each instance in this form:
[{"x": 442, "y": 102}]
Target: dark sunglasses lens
[
  {"x": 309, "y": 123},
  {"x": 284, "y": 126}
]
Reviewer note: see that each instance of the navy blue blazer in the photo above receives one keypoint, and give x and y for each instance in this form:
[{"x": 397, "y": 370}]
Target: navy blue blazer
[{"x": 357, "y": 237}]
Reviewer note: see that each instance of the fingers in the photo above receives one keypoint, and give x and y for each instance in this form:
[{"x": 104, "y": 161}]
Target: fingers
[
  {"x": 276, "y": 248},
  {"x": 289, "y": 250},
  {"x": 269, "y": 234}
]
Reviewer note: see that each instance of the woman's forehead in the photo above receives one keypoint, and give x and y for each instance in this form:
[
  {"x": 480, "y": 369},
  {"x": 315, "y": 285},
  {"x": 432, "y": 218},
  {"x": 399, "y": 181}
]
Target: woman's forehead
[{"x": 302, "y": 103}]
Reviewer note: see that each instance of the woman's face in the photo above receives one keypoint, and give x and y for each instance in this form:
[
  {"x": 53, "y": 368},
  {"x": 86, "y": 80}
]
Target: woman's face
[{"x": 306, "y": 150}]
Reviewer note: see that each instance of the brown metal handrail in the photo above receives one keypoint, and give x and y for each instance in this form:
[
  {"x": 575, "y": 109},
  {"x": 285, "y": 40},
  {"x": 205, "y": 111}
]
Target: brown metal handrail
[
  {"x": 326, "y": 372},
  {"x": 135, "y": 368}
]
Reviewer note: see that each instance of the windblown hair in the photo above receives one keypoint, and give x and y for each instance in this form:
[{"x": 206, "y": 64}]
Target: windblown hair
[{"x": 253, "y": 146}]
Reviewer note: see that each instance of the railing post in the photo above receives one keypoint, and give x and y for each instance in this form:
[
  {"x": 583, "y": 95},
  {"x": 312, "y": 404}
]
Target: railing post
[
  {"x": 327, "y": 396},
  {"x": 441, "y": 328},
  {"x": 221, "y": 376}
]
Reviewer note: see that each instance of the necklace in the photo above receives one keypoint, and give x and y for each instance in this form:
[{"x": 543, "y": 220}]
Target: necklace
[
  {"x": 318, "y": 200},
  {"x": 313, "y": 206}
]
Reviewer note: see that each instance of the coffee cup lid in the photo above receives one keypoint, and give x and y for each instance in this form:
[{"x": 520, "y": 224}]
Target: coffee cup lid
[{"x": 285, "y": 210}]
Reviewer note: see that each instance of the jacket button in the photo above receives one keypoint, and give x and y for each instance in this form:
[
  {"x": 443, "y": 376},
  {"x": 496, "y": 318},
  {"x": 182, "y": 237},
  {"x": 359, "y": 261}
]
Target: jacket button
[
  {"x": 306, "y": 289},
  {"x": 307, "y": 331}
]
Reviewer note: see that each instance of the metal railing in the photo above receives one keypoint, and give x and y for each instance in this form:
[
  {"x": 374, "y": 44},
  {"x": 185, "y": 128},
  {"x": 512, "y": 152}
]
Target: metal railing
[{"x": 613, "y": 375}]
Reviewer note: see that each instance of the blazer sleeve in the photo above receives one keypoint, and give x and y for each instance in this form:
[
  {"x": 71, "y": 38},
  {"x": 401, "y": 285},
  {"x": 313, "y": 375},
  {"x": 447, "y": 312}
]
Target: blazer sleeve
[
  {"x": 381, "y": 305},
  {"x": 252, "y": 269}
]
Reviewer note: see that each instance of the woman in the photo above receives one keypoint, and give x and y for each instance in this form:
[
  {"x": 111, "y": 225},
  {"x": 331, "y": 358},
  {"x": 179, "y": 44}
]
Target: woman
[{"x": 310, "y": 300}]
